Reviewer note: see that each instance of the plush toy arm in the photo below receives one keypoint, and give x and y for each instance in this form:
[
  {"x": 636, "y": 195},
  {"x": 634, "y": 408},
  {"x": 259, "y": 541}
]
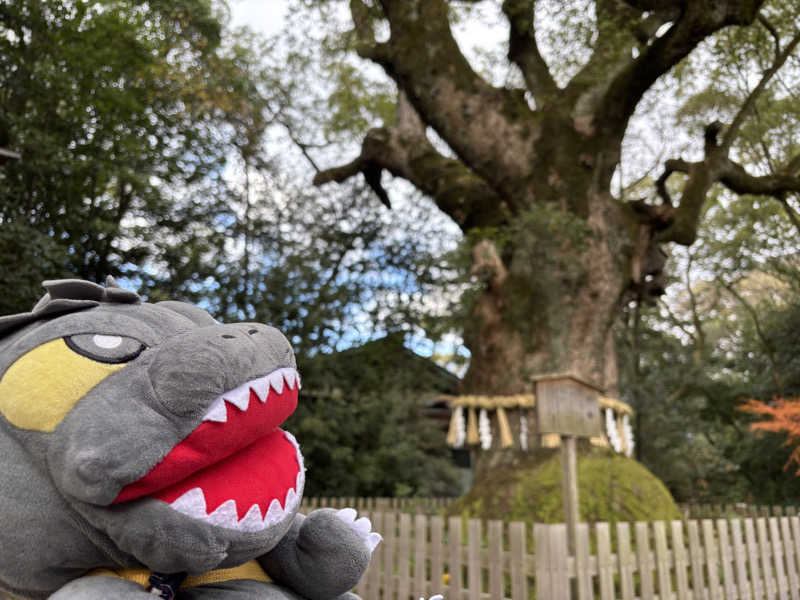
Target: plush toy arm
[
  {"x": 100, "y": 587},
  {"x": 323, "y": 555}
]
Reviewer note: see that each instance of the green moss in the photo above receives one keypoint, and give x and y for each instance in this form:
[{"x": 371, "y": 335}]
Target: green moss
[{"x": 611, "y": 488}]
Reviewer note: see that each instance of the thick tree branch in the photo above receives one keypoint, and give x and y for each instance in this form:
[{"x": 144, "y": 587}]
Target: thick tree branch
[
  {"x": 735, "y": 178},
  {"x": 367, "y": 46},
  {"x": 523, "y": 50},
  {"x": 702, "y": 175},
  {"x": 697, "y": 21},
  {"x": 621, "y": 29},
  {"x": 487, "y": 127},
  {"x": 406, "y": 152}
]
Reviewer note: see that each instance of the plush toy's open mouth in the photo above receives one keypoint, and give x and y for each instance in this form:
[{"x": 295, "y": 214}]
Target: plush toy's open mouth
[{"x": 237, "y": 469}]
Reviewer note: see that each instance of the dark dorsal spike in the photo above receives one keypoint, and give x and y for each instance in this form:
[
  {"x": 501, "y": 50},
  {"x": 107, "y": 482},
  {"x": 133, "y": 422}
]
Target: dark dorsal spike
[{"x": 69, "y": 295}]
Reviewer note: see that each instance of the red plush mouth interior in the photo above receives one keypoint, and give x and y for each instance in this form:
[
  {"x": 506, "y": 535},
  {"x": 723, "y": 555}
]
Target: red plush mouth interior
[{"x": 246, "y": 459}]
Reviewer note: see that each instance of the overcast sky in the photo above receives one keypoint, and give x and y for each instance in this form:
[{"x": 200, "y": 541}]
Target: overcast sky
[{"x": 260, "y": 15}]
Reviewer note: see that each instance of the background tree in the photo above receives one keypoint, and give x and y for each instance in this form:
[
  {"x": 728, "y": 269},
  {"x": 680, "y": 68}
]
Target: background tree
[
  {"x": 123, "y": 113},
  {"x": 525, "y": 167}
]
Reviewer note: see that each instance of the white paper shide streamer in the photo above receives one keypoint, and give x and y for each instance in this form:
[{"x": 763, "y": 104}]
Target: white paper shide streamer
[
  {"x": 523, "y": 430},
  {"x": 461, "y": 429},
  {"x": 612, "y": 431},
  {"x": 627, "y": 432},
  {"x": 484, "y": 430}
]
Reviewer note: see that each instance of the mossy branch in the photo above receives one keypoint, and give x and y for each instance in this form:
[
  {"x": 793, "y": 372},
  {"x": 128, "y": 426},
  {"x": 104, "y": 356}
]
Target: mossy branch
[{"x": 524, "y": 51}]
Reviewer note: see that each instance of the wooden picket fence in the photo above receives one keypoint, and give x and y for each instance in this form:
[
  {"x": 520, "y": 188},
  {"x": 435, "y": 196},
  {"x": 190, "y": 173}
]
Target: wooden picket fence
[
  {"x": 738, "y": 559},
  {"x": 414, "y": 505},
  {"x": 739, "y": 509}
]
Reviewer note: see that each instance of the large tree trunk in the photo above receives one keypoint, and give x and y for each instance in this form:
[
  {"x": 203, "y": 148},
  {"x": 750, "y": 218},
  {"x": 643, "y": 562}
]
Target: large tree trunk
[{"x": 547, "y": 307}]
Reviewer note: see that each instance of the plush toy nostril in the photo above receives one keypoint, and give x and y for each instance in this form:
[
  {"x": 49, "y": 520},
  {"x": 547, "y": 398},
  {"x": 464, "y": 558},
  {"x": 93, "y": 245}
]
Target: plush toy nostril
[
  {"x": 252, "y": 331},
  {"x": 228, "y": 337}
]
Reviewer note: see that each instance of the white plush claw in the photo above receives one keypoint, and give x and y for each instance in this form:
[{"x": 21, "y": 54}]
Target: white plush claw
[
  {"x": 261, "y": 388},
  {"x": 372, "y": 541},
  {"x": 217, "y": 411},
  {"x": 348, "y": 515},
  {"x": 362, "y": 527},
  {"x": 276, "y": 380}
]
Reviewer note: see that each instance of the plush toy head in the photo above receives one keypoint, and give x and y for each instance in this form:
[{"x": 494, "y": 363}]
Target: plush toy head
[{"x": 140, "y": 434}]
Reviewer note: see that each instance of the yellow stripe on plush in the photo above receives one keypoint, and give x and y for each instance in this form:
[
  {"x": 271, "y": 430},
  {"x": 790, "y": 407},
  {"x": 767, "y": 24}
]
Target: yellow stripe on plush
[{"x": 249, "y": 570}]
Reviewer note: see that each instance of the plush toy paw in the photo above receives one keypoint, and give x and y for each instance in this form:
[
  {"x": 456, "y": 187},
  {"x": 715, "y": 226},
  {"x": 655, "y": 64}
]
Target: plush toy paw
[{"x": 361, "y": 526}]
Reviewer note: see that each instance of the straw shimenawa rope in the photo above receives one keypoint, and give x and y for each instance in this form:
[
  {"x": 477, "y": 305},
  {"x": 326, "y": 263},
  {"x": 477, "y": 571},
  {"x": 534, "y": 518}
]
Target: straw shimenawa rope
[
  {"x": 522, "y": 401},
  {"x": 501, "y": 404}
]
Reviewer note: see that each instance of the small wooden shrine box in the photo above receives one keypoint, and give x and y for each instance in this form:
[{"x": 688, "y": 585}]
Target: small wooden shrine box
[{"x": 568, "y": 405}]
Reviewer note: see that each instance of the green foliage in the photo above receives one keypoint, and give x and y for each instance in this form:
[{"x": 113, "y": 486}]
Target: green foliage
[
  {"x": 121, "y": 112},
  {"x": 726, "y": 332},
  {"x": 362, "y": 426},
  {"x": 611, "y": 488}
]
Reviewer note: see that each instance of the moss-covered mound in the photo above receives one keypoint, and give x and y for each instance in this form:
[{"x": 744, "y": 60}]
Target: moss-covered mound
[{"x": 611, "y": 488}]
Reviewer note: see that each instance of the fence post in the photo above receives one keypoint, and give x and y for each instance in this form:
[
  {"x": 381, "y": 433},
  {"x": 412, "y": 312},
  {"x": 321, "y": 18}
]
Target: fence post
[
  {"x": 552, "y": 579},
  {"x": 582, "y": 574},
  {"x": 437, "y": 562},
  {"x": 740, "y": 556},
  {"x": 519, "y": 581},
  {"x": 605, "y": 567},
  {"x": 662, "y": 560},
  {"x": 626, "y": 560},
  {"x": 495, "y": 536},
  {"x": 679, "y": 551},
  {"x": 474, "y": 579},
  {"x": 454, "y": 552},
  {"x": 388, "y": 555},
  {"x": 645, "y": 560},
  {"x": 420, "y": 545},
  {"x": 752, "y": 557}
]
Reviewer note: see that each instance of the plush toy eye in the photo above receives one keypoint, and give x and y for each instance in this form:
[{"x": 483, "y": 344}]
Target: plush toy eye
[{"x": 111, "y": 349}]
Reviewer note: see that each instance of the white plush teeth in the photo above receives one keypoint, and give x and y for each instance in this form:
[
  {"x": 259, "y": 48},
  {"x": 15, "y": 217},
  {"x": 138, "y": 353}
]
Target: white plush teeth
[
  {"x": 225, "y": 515},
  {"x": 372, "y": 541},
  {"x": 252, "y": 521},
  {"x": 289, "y": 374},
  {"x": 274, "y": 514},
  {"x": 191, "y": 504},
  {"x": 240, "y": 397},
  {"x": 276, "y": 380},
  {"x": 292, "y": 499},
  {"x": 261, "y": 388},
  {"x": 217, "y": 411}
]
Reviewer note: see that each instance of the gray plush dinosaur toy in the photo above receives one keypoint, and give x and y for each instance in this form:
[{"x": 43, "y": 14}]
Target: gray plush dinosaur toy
[{"x": 140, "y": 452}]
